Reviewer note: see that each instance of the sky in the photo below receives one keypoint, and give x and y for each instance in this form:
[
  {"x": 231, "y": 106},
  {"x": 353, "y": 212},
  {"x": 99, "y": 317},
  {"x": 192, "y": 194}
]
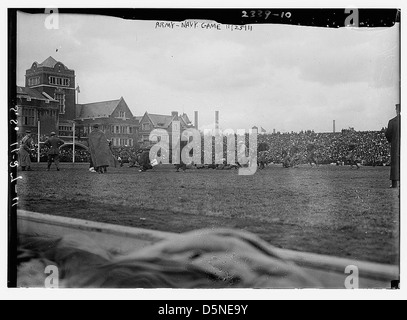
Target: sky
[{"x": 287, "y": 78}]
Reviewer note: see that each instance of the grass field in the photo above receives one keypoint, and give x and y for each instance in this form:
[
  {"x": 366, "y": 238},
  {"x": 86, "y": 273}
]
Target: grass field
[{"x": 328, "y": 210}]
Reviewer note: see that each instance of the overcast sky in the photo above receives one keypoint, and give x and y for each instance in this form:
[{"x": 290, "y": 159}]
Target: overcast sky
[{"x": 287, "y": 78}]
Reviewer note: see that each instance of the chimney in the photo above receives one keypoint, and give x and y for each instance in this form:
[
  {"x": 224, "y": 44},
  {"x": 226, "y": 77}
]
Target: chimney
[
  {"x": 196, "y": 120},
  {"x": 217, "y": 120},
  {"x": 334, "y": 126},
  {"x": 174, "y": 114}
]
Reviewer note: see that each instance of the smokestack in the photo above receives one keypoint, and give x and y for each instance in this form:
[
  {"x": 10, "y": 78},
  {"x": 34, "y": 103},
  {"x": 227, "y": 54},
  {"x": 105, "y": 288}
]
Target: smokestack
[
  {"x": 334, "y": 126},
  {"x": 174, "y": 114},
  {"x": 217, "y": 120},
  {"x": 196, "y": 120}
]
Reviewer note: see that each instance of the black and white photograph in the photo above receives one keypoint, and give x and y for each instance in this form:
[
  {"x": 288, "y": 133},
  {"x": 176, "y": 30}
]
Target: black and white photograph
[{"x": 204, "y": 148}]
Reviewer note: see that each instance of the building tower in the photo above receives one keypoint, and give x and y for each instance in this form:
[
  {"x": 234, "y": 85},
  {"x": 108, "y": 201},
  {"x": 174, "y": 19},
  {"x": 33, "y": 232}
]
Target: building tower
[{"x": 58, "y": 82}]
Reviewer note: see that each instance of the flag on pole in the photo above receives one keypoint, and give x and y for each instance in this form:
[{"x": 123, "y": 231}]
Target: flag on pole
[
  {"x": 78, "y": 91},
  {"x": 39, "y": 138}
]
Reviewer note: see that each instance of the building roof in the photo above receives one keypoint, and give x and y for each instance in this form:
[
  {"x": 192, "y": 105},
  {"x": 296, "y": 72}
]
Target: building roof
[
  {"x": 185, "y": 117},
  {"x": 50, "y": 62},
  {"x": 101, "y": 109},
  {"x": 24, "y": 92},
  {"x": 162, "y": 121}
]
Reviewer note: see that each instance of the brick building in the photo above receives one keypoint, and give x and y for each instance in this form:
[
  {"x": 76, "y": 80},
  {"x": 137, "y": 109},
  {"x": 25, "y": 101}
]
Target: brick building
[
  {"x": 114, "y": 118},
  {"x": 54, "y": 82},
  {"x": 33, "y": 106},
  {"x": 149, "y": 122},
  {"x": 58, "y": 82}
]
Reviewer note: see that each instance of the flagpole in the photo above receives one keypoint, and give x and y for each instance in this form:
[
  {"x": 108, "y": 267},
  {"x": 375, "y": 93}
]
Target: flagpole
[
  {"x": 39, "y": 133},
  {"x": 77, "y": 90},
  {"x": 73, "y": 141}
]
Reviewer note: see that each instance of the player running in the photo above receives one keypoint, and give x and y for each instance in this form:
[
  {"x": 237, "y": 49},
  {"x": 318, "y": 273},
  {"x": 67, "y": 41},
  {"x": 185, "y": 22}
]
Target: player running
[
  {"x": 311, "y": 155},
  {"x": 351, "y": 158}
]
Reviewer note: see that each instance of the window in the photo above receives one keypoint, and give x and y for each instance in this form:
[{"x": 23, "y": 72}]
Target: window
[
  {"x": 117, "y": 129},
  {"x": 65, "y": 128},
  {"x": 123, "y": 129},
  {"x": 122, "y": 114},
  {"x": 61, "y": 102},
  {"x": 59, "y": 81},
  {"x": 33, "y": 81},
  {"x": 130, "y": 130},
  {"x": 146, "y": 126},
  {"x": 146, "y": 137},
  {"x": 131, "y": 143},
  {"x": 28, "y": 117}
]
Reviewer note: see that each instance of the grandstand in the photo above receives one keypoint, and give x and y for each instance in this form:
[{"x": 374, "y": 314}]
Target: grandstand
[{"x": 370, "y": 147}]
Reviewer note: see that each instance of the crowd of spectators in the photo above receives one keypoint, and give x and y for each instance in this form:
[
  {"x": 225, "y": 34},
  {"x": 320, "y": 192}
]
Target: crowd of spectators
[
  {"x": 126, "y": 154},
  {"x": 369, "y": 148},
  {"x": 81, "y": 155}
]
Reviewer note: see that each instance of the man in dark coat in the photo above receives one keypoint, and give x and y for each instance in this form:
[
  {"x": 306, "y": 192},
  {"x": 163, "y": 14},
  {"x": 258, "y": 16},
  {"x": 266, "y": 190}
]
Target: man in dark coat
[
  {"x": 143, "y": 159},
  {"x": 53, "y": 143},
  {"x": 393, "y": 136},
  {"x": 99, "y": 149},
  {"x": 24, "y": 152}
]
